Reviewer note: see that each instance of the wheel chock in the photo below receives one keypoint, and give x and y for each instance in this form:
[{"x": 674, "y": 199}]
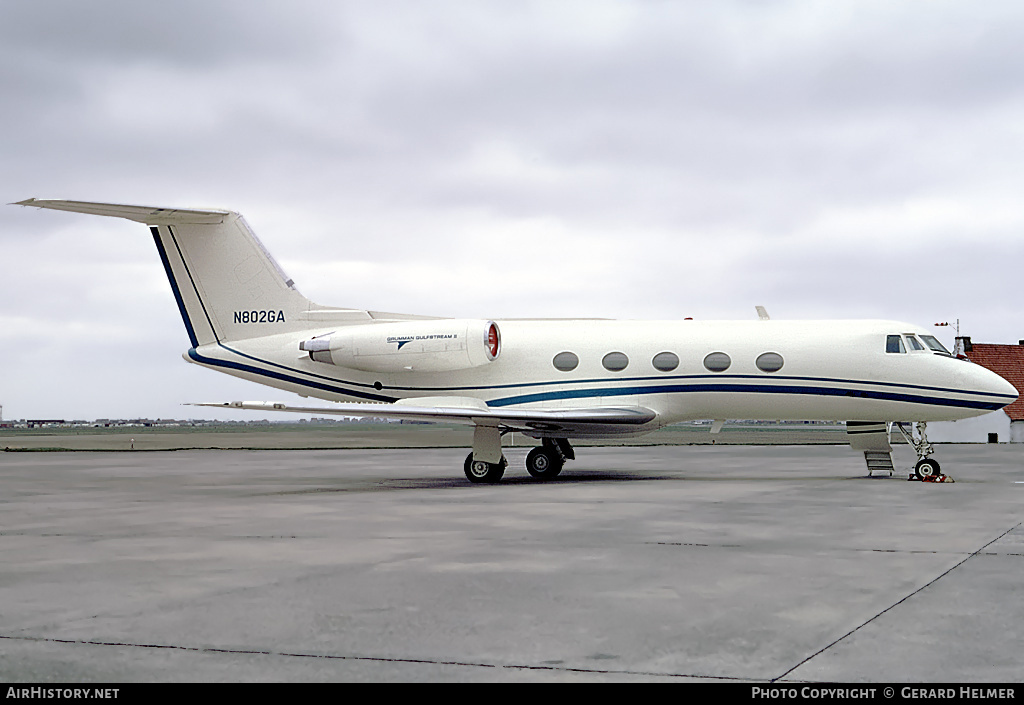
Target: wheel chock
[{"x": 933, "y": 478}]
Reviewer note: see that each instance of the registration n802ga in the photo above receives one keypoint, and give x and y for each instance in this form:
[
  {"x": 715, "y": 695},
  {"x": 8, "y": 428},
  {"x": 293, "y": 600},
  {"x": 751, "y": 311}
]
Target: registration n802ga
[{"x": 259, "y": 316}]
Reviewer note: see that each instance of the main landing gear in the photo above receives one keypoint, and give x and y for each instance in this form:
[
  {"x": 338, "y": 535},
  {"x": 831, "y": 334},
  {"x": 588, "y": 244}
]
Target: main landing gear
[
  {"x": 927, "y": 468},
  {"x": 543, "y": 462},
  {"x": 547, "y": 460},
  {"x": 483, "y": 472}
]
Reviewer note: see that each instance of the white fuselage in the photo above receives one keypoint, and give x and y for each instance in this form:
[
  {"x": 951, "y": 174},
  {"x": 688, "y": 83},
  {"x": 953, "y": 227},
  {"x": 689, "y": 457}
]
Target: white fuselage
[
  {"x": 553, "y": 379},
  {"x": 831, "y": 370}
]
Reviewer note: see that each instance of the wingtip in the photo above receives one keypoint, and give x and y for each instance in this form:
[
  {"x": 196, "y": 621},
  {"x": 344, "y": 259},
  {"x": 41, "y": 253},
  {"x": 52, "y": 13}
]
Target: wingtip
[{"x": 26, "y": 202}]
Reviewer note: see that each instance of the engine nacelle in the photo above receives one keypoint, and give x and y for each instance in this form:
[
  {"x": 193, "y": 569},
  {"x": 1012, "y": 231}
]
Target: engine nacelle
[{"x": 420, "y": 346}]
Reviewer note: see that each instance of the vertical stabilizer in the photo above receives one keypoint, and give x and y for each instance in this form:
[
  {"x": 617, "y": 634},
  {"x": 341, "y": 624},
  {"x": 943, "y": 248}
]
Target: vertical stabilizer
[{"x": 226, "y": 284}]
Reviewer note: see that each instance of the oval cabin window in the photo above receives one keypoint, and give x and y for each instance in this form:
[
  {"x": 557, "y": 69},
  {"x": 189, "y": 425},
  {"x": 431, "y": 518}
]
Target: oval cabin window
[
  {"x": 717, "y": 362},
  {"x": 615, "y": 361},
  {"x": 769, "y": 362},
  {"x": 565, "y": 361},
  {"x": 665, "y": 361}
]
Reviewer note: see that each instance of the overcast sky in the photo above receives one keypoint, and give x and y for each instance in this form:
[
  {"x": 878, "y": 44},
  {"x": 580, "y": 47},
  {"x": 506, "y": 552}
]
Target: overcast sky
[{"x": 644, "y": 159}]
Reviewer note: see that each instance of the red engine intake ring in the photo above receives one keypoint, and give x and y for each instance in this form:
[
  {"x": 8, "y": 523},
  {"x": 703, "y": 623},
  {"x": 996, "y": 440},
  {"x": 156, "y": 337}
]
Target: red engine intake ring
[{"x": 493, "y": 341}]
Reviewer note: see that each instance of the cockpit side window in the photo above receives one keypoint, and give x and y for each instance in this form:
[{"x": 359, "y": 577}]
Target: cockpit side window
[
  {"x": 894, "y": 344},
  {"x": 914, "y": 343},
  {"x": 932, "y": 342}
]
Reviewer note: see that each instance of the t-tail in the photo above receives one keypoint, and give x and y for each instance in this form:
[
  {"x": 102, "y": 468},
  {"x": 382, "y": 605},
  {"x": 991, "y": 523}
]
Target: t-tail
[{"x": 226, "y": 284}]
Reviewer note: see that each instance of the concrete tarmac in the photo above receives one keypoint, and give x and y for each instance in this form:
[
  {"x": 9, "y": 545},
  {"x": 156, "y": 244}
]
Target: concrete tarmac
[{"x": 740, "y": 563}]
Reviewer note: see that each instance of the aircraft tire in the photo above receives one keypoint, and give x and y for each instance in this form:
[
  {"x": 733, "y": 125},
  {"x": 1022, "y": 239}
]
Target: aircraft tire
[
  {"x": 480, "y": 472},
  {"x": 543, "y": 464},
  {"x": 927, "y": 467}
]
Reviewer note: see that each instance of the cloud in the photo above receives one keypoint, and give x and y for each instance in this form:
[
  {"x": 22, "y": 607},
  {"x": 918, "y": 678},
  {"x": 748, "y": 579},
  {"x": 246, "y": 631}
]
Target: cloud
[{"x": 600, "y": 158}]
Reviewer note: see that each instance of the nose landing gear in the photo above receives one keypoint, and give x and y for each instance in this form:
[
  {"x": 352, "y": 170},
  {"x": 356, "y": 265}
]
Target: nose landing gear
[{"x": 927, "y": 468}]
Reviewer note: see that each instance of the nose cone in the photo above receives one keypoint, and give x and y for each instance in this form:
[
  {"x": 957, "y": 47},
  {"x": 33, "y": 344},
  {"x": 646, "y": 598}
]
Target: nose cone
[{"x": 1002, "y": 392}]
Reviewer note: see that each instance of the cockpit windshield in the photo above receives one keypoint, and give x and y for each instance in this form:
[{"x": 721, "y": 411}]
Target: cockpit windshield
[
  {"x": 895, "y": 344},
  {"x": 933, "y": 343}
]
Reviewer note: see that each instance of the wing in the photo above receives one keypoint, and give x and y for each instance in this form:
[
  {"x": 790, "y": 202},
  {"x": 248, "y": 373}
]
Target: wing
[{"x": 593, "y": 422}]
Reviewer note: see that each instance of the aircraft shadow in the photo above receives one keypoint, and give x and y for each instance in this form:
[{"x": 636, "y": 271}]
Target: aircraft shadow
[
  {"x": 458, "y": 483},
  {"x": 520, "y": 480},
  {"x": 398, "y": 484}
]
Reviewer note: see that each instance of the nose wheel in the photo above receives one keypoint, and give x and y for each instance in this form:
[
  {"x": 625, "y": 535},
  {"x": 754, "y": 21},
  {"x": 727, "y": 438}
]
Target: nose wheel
[{"x": 927, "y": 468}]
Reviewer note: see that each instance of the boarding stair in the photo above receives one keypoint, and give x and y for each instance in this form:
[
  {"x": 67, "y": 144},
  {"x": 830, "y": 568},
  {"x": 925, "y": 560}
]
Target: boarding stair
[{"x": 878, "y": 460}]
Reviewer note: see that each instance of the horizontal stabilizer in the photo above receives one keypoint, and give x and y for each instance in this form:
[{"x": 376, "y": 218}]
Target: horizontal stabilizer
[{"x": 149, "y": 215}]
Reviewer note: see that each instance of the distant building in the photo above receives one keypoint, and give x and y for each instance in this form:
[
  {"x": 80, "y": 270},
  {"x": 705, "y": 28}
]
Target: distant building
[{"x": 1001, "y": 426}]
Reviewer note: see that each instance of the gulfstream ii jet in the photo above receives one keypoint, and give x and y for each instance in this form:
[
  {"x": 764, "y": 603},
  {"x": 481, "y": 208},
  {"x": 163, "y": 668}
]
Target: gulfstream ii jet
[{"x": 552, "y": 380}]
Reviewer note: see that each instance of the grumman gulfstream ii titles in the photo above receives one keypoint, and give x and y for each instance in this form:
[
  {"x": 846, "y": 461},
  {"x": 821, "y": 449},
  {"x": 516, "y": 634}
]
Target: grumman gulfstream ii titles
[{"x": 552, "y": 380}]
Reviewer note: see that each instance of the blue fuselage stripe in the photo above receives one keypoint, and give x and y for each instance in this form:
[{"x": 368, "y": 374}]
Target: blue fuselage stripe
[{"x": 859, "y": 393}]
